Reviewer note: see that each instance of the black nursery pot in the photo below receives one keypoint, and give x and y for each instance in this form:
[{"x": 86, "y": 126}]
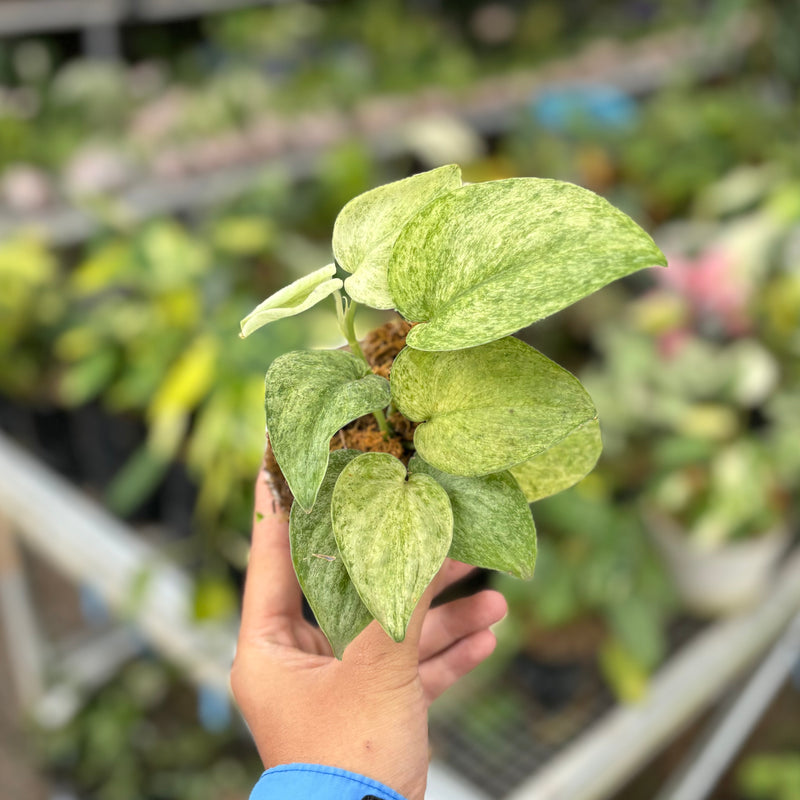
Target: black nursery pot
[{"x": 552, "y": 684}]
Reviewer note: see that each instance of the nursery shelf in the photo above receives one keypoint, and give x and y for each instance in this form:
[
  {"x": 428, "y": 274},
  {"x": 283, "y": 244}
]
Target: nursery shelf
[
  {"x": 516, "y": 749},
  {"x": 180, "y": 9},
  {"x": 490, "y": 107},
  {"x": 44, "y": 16},
  {"x": 20, "y": 17}
]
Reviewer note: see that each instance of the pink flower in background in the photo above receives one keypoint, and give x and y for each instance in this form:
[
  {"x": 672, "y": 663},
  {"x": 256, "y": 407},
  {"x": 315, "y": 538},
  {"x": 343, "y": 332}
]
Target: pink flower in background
[
  {"x": 712, "y": 289},
  {"x": 672, "y": 342}
]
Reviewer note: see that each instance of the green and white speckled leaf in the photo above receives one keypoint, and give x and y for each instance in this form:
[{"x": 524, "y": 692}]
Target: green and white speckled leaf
[
  {"x": 487, "y": 408},
  {"x": 366, "y": 228},
  {"x": 393, "y": 533},
  {"x": 562, "y": 465},
  {"x": 487, "y": 259},
  {"x": 492, "y": 522},
  {"x": 320, "y": 570},
  {"x": 292, "y": 299},
  {"x": 309, "y": 395}
]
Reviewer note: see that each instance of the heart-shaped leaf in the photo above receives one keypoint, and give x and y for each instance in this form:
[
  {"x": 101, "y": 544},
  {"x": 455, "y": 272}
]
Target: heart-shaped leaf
[
  {"x": 487, "y": 259},
  {"x": 320, "y": 570},
  {"x": 487, "y": 408},
  {"x": 561, "y": 465},
  {"x": 308, "y": 397},
  {"x": 492, "y": 522},
  {"x": 292, "y": 299},
  {"x": 393, "y": 532},
  {"x": 366, "y": 229}
]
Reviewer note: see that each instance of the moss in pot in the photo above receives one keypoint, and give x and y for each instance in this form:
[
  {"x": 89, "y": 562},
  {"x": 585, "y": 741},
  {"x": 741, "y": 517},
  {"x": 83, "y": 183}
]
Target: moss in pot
[{"x": 485, "y": 423}]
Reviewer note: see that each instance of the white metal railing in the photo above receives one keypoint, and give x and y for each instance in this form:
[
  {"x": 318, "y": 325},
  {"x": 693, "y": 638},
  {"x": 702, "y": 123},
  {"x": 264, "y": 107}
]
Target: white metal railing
[{"x": 93, "y": 548}]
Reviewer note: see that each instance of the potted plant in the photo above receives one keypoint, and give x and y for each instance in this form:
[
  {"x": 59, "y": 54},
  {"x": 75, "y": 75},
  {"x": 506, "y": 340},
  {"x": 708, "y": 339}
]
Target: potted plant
[
  {"x": 474, "y": 423},
  {"x": 719, "y": 516}
]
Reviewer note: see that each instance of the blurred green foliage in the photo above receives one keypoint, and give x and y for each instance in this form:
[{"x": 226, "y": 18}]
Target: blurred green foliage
[
  {"x": 696, "y": 375},
  {"x": 594, "y": 562},
  {"x": 770, "y": 776},
  {"x": 139, "y": 737}
]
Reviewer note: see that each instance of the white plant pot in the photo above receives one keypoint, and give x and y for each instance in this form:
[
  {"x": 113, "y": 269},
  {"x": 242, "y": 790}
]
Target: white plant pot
[{"x": 721, "y": 580}]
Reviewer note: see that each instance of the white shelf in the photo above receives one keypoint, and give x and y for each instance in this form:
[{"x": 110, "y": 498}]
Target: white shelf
[
  {"x": 154, "y": 10},
  {"x": 490, "y": 107},
  {"x": 91, "y": 547},
  {"x": 21, "y": 17}
]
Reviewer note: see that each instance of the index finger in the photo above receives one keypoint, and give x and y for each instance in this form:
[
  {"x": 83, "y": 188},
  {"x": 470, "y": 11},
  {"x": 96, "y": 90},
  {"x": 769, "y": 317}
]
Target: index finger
[{"x": 271, "y": 590}]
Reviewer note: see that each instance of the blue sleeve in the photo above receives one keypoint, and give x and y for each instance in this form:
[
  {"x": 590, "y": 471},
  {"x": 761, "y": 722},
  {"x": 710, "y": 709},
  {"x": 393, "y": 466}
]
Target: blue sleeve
[{"x": 303, "y": 781}]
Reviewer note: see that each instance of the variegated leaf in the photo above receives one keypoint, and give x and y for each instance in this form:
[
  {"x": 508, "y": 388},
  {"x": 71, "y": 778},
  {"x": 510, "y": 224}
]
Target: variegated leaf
[
  {"x": 304, "y": 293},
  {"x": 487, "y": 259},
  {"x": 366, "y": 229},
  {"x": 561, "y": 465},
  {"x": 492, "y": 522},
  {"x": 320, "y": 570},
  {"x": 393, "y": 532},
  {"x": 309, "y": 395},
  {"x": 487, "y": 408}
]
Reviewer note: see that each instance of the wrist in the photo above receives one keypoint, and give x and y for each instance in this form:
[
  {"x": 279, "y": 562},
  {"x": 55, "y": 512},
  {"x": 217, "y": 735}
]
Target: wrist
[{"x": 322, "y": 782}]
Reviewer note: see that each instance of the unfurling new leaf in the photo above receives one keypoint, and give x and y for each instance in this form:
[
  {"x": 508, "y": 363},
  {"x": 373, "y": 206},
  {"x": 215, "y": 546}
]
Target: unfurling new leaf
[{"x": 304, "y": 293}]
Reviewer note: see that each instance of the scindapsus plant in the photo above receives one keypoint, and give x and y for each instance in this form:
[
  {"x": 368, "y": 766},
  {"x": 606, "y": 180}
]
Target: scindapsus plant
[{"x": 496, "y": 425}]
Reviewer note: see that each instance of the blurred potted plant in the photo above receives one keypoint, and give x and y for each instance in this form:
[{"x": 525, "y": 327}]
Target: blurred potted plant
[{"x": 719, "y": 516}]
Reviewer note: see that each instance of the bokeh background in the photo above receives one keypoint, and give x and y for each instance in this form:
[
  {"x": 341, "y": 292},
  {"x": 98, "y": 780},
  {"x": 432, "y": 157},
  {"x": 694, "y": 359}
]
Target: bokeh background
[{"x": 165, "y": 165}]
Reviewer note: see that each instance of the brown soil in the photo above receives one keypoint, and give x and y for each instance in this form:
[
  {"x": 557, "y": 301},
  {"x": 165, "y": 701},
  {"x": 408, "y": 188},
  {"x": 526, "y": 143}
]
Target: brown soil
[{"x": 380, "y": 347}]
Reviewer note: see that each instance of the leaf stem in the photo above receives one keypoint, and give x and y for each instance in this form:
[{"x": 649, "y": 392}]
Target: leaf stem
[
  {"x": 350, "y": 331},
  {"x": 383, "y": 423}
]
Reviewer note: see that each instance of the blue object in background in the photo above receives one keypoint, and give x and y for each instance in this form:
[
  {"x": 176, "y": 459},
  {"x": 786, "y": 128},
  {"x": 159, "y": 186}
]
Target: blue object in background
[
  {"x": 213, "y": 709},
  {"x": 93, "y": 607},
  {"x": 577, "y": 106}
]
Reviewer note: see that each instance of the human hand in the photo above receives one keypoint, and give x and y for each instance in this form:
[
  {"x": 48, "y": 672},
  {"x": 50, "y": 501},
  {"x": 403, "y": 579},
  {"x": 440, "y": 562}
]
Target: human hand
[{"x": 367, "y": 713}]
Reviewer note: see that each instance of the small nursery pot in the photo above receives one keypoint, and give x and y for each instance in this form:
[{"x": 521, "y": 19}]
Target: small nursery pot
[
  {"x": 722, "y": 580},
  {"x": 555, "y": 664}
]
